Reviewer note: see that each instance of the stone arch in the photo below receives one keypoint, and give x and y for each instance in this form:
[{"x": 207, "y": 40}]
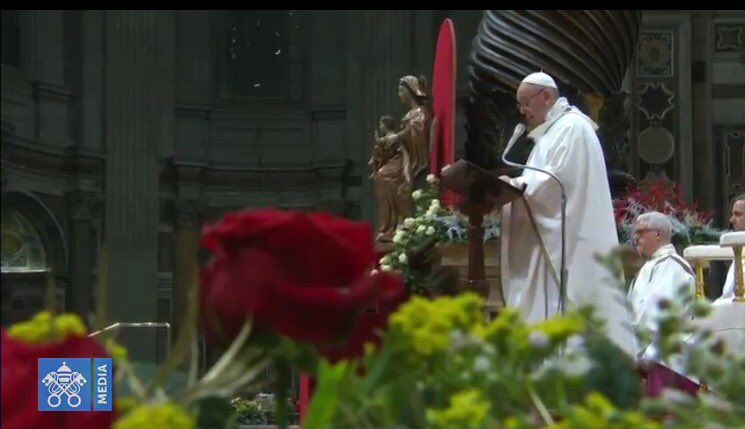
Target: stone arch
[
  {"x": 25, "y": 290},
  {"x": 45, "y": 224}
]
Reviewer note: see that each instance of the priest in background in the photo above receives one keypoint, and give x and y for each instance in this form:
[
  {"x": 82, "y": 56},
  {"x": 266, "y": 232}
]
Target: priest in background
[
  {"x": 665, "y": 276},
  {"x": 737, "y": 220},
  {"x": 566, "y": 145}
]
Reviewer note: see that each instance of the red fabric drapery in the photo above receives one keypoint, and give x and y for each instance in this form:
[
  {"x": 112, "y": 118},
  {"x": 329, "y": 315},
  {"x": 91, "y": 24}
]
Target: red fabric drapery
[{"x": 442, "y": 152}]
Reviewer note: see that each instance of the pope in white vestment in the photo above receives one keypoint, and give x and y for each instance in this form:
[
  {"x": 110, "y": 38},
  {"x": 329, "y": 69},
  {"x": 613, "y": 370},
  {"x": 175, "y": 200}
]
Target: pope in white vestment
[{"x": 566, "y": 145}]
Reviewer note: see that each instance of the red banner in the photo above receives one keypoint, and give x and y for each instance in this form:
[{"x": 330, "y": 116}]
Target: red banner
[{"x": 442, "y": 152}]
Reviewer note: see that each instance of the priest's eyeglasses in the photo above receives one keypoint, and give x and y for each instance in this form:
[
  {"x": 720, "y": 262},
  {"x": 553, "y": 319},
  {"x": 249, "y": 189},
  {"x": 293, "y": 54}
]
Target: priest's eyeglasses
[
  {"x": 641, "y": 231},
  {"x": 520, "y": 105}
]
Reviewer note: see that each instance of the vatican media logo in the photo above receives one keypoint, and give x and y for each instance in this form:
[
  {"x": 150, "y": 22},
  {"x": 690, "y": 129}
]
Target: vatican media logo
[{"x": 69, "y": 384}]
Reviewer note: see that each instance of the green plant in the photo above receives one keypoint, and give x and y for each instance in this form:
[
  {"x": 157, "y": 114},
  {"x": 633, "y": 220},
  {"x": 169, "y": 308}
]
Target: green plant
[
  {"x": 261, "y": 410},
  {"x": 441, "y": 364}
]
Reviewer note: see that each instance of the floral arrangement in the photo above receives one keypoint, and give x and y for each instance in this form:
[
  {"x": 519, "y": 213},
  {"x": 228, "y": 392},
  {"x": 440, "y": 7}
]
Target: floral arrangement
[
  {"x": 432, "y": 223},
  {"x": 441, "y": 365},
  {"x": 279, "y": 289},
  {"x": 460, "y": 371},
  {"x": 690, "y": 225},
  {"x": 434, "y": 363}
]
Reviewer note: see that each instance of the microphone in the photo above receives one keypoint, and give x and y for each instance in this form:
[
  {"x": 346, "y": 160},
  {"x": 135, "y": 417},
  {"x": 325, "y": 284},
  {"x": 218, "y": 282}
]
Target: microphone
[{"x": 519, "y": 131}]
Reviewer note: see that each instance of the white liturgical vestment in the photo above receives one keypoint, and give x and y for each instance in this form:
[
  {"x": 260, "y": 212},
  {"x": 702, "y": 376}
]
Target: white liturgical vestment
[
  {"x": 728, "y": 292},
  {"x": 566, "y": 145},
  {"x": 666, "y": 275},
  {"x": 661, "y": 277}
]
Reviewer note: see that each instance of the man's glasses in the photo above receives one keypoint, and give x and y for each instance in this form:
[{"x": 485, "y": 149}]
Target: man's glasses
[
  {"x": 521, "y": 105},
  {"x": 641, "y": 231}
]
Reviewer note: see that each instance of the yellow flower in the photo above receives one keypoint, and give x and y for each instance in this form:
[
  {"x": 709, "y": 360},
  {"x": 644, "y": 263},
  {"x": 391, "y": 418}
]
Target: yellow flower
[
  {"x": 124, "y": 405},
  {"x": 116, "y": 350},
  {"x": 426, "y": 324},
  {"x": 560, "y": 328},
  {"x": 468, "y": 409},
  {"x": 45, "y": 327},
  {"x": 508, "y": 332},
  {"x": 369, "y": 349},
  {"x": 158, "y": 416},
  {"x": 598, "y": 412}
]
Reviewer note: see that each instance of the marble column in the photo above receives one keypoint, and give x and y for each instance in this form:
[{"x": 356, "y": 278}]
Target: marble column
[
  {"x": 702, "y": 39},
  {"x": 81, "y": 245},
  {"x": 138, "y": 81}
]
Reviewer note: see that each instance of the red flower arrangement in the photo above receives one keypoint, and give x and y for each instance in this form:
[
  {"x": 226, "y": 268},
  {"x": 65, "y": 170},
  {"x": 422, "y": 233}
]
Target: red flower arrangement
[{"x": 690, "y": 225}]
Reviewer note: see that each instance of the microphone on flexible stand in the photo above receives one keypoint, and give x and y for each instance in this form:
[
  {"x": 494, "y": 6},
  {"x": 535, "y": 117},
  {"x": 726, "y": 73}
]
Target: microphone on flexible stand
[{"x": 519, "y": 131}]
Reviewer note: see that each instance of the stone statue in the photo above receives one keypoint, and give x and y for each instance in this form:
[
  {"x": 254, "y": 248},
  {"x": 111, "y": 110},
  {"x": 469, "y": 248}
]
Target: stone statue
[{"x": 399, "y": 157}]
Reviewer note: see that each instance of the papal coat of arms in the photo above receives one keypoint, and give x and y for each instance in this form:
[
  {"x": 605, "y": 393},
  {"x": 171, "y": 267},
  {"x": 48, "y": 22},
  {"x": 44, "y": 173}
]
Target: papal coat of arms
[{"x": 61, "y": 384}]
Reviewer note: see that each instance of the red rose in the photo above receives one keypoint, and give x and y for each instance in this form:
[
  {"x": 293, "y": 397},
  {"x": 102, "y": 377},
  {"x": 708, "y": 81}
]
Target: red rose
[
  {"x": 302, "y": 275},
  {"x": 20, "y": 385}
]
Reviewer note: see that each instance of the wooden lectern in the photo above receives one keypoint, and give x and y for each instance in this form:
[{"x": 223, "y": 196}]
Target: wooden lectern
[{"x": 480, "y": 191}]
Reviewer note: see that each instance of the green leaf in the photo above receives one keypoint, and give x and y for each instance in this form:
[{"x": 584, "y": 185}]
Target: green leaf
[
  {"x": 326, "y": 398},
  {"x": 613, "y": 373},
  {"x": 283, "y": 381},
  {"x": 216, "y": 413}
]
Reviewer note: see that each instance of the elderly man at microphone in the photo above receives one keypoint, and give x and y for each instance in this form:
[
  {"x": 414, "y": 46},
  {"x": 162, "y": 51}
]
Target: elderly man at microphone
[{"x": 567, "y": 147}]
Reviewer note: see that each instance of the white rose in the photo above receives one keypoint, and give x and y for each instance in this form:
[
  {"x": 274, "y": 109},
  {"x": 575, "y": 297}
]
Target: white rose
[
  {"x": 408, "y": 222},
  {"x": 538, "y": 339},
  {"x": 398, "y": 237},
  {"x": 430, "y": 230},
  {"x": 575, "y": 342},
  {"x": 457, "y": 339},
  {"x": 420, "y": 229},
  {"x": 416, "y": 194},
  {"x": 575, "y": 365},
  {"x": 435, "y": 203},
  {"x": 402, "y": 258},
  {"x": 386, "y": 268},
  {"x": 431, "y": 178},
  {"x": 481, "y": 364}
]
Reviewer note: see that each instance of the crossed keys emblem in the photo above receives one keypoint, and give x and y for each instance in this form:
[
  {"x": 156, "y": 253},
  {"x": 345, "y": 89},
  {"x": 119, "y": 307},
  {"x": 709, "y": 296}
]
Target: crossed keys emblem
[{"x": 64, "y": 382}]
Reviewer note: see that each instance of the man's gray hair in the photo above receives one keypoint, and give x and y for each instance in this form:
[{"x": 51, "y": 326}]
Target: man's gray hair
[
  {"x": 657, "y": 221},
  {"x": 740, "y": 197}
]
